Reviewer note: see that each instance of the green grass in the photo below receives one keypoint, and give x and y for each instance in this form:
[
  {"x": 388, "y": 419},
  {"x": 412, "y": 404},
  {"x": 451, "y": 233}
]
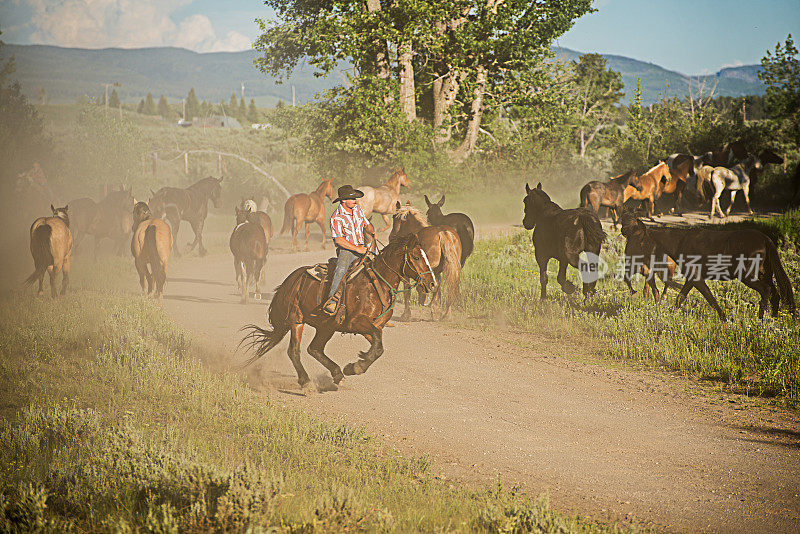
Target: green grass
[
  {"x": 500, "y": 284},
  {"x": 110, "y": 422}
]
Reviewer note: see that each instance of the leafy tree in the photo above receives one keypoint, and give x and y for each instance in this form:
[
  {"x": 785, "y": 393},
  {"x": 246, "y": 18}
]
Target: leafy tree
[
  {"x": 781, "y": 74},
  {"x": 150, "y": 105},
  {"x": 599, "y": 90},
  {"x": 163, "y": 108},
  {"x": 192, "y": 106},
  {"x": 113, "y": 100}
]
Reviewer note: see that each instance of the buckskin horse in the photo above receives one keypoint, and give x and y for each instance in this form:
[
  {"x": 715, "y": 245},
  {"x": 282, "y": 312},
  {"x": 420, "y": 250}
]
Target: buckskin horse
[
  {"x": 151, "y": 245},
  {"x": 190, "y": 205},
  {"x": 460, "y": 221},
  {"x": 612, "y": 194},
  {"x": 442, "y": 246},
  {"x": 652, "y": 184},
  {"x": 51, "y": 248},
  {"x": 249, "y": 245},
  {"x": 563, "y": 235},
  {"x": 111, "y": 218},
  {"x": 706, "y": 248},
  {"x": 383, "y": 199},
  {"x": 367, "y": 299},
  {"x": 307, "y": 208}
]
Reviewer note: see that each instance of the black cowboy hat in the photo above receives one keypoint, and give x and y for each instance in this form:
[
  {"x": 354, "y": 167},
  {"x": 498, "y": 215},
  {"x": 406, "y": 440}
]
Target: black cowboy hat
[{"x": 346, "y": 192}]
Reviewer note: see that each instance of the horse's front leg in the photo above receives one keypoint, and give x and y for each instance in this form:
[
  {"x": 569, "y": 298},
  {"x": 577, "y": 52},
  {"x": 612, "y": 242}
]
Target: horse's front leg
[
  {"x": 543, "y": 276},
  {"x": 407, "y": 309},
  {"x": 746, "y": 193},
  {"x": 175, "y": 223},
  {"x": 566, "y": 286},
  {"x": 375, "y": 338},
  {"x": 198, "y": 235}
]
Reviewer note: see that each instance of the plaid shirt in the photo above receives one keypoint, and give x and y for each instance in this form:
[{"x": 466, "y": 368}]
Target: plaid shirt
[{"x": 349, "y": 225}]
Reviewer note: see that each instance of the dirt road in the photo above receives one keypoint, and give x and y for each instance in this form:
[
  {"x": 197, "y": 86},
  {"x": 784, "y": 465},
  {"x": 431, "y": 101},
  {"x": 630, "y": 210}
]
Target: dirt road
[{"x": 608, "y": 443}]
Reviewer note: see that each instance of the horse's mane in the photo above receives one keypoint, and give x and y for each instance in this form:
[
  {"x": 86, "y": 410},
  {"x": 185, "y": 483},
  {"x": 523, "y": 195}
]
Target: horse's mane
[
  {"x": 410, "y": 211},
  {"x": 548, "y": 202},
  {"x": 203, "y": 183},
  {"x": 622, "y": 177}
]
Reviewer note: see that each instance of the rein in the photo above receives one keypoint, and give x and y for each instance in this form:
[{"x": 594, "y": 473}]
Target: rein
[{"x": 407, "y": 281}]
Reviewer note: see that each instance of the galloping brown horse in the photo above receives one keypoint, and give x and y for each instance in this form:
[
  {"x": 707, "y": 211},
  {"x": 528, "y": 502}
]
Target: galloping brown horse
[
  {"x": 368, "y": 299},
  {"x": 51, "y": 248},
  {"x": 249, "y": 245},
  {"x": 611, "y": 194},
  {"x": 384, "y": 198},
  {"x": 190, "y": 205},
  {"x": 151, "y": 245},
  {"x": 307, "y": 208},
  {"x": 443, "y": 248},
  {"x": 111, "y": 218},
  {"x": 652, "y": 184}
]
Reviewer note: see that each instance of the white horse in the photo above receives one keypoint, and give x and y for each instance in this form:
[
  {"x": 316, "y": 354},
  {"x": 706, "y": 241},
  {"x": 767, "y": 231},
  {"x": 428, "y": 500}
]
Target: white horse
[{"x": 738, "y": 178}]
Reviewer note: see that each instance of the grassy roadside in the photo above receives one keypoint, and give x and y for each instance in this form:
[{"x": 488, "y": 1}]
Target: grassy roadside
[
  {"x": 109, "y": 423},
  {"x": 500, "y": 284}
]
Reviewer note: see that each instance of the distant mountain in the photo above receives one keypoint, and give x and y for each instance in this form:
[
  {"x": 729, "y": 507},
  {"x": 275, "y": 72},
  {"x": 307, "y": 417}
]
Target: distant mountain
[{"x": 68, "y": 73}]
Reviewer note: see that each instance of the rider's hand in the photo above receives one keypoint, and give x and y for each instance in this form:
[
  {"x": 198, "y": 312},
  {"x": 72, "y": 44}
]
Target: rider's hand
[{"x": 361, "y": 250}]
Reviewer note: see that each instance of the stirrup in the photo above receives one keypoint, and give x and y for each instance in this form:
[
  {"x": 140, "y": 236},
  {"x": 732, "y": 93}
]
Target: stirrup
[{"x": 330, "y": 305}]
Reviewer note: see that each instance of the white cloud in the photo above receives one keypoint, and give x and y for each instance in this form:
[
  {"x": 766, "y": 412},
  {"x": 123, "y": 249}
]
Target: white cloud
[
  {"x": 735, "y": 63},
  {"x": 125, "y": 24}
]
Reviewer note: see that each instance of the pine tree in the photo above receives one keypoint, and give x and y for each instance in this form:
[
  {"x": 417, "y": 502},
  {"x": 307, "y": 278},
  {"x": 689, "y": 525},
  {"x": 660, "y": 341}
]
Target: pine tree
[
  {"x": 192, "y": 106},
  {"x": 252, "y": 112},
  {"x": 150, "y": 105},
  {"x": 163, "y": 107},
  {"x": 242, "y": 109},
  {"x": 113, "y": 100},
  {"x": 233, "y": 106},
  {"x": 140, "y": 107}
]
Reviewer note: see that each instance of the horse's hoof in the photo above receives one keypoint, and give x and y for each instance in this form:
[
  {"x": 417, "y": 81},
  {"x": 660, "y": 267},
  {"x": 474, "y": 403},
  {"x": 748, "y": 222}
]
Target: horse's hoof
[
  {"x": 337, "y": 376},
  {"x": 353, "y": 369}
]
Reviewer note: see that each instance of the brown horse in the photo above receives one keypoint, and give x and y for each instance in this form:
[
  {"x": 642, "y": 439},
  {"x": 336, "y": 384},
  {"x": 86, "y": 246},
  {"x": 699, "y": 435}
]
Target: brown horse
[
  {"x": 563, "y": 235},
  {"x": 443, "y": 248},
  {"x": 151, "y": 245},
  {"x": 751, "y": 256},
  {"x": 652, "y": 184},
  {"x": 51, "y": 248},
  {"x": 111, "y": 218},
  {"x": 256, "y": 215},
  {"x": 644, "y": 255},
  {"x": 368, "y": 299},
  {"x": 190, "y": 205},
  {"x": 306, "y": 208},
  {"x": 612, "y": 194},
  {"x": 459, "y": 221},
  {"x": 383, "y": 199},
  {"x": 263, "y": 220},
  {"x": 249, "y": 247},
  {"x": 682, "y": 166}
]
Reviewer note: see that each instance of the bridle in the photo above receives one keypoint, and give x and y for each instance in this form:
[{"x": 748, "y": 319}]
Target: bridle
[{"x": 408, "y": 281}]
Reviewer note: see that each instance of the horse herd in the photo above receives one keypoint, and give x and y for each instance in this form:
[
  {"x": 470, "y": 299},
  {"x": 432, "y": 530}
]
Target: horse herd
[{"x": 424, "y": 251}]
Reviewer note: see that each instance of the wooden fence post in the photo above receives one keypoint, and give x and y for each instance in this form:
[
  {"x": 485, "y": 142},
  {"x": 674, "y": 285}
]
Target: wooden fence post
[
  {"x": 185, "y": 163},
  {"x": 219, "y": 164}
]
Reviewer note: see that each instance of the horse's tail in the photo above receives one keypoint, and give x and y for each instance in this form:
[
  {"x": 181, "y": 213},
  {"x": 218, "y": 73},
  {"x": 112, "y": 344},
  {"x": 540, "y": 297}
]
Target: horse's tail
[
  {"x": 776, "y": 267},
  {"x": 451, "y": 268},
  {"x": 585, "y": 190},
  {"x": 262, "y": 340},
  {"x": 592, "y": 231},
  {"x": 40, "y": 250},
  {"x": 288, "y": 216}
]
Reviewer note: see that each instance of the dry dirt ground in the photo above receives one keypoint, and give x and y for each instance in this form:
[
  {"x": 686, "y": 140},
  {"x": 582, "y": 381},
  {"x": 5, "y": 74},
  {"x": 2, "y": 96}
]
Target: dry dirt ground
[{"x": 609, "y": 443}]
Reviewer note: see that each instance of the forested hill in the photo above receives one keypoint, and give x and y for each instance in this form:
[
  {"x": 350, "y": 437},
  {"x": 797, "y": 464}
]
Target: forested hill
[{"x": 68, "y": 73}]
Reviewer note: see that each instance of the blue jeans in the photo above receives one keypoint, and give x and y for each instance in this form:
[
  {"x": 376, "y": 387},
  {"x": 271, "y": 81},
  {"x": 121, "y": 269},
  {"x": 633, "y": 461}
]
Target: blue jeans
[{"x": 345, "y": 259}]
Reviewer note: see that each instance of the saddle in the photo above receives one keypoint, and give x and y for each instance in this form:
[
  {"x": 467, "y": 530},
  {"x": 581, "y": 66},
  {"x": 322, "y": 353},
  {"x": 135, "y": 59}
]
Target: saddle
[{"x": 323, "y": 273}]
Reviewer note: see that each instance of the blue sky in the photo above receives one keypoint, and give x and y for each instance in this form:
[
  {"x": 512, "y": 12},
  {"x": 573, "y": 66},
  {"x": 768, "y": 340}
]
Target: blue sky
[{"x": 691, "y": 37}]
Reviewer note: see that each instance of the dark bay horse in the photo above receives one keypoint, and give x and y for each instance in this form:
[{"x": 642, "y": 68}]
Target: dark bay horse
[
  {"x": 249, "y": 245},
  {"x": 443, "y": 248},
  {"x": 563, "y": 235},
  {"x": 190, "y": 205},
  {"x": 460, "y": 221},
  {"x": 307, "y": 208},
  {"x": 367, "y": 299},
  {"x": 51, "y": 248},
  {"x": 111, "y": 218},
  {"x": 151, "y": 245},
  {"x": 643, "y": 254},
  {"x": 747, "y": 255},
  {"x": 612, "y": 194}
]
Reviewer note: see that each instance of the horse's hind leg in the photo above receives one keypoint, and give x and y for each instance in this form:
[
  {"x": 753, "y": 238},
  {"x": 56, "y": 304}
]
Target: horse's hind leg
[
  {"x": 321, "y": 224},
  {"x": 295, "y": 231},
  {"x": 53, "y": 271},
  {"x": 308, "y": 233},
  {"x": 317, "y": 350},
  {"x": 730, "y": 206},
  {"x": 386, "y": 220},
  {"x": 764, "y": 290},
  {"x": 294, "y": 354},
  {"x": 65, "y": 275}
]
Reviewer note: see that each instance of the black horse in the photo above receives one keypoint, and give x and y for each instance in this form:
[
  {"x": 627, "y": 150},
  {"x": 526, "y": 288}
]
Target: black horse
[
  {"x": 459, "y": 221},
  {"x": 190, "y": 205},
  {"x": 563, "y": 235}
]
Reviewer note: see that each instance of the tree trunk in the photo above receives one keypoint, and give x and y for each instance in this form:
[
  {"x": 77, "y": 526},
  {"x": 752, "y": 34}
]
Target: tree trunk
[
  {"x": 382, "y": 52},
  {"x": 445, "y": 91},
  {"x": 407, "y": 90},
  {"x": 473, "y": 126}
]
